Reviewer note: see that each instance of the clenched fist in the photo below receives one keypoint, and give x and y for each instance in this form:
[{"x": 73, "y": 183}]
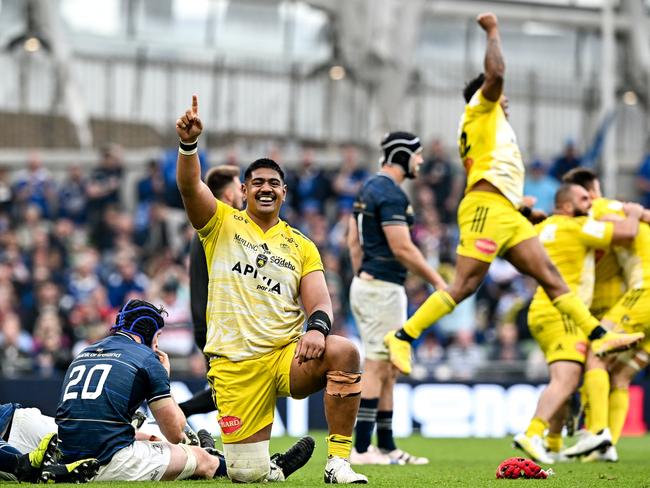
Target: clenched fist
[{"x": 488, "y": 21}]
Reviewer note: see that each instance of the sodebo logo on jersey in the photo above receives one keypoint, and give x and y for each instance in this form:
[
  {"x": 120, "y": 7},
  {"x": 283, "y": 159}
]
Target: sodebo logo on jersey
[{"x": 282, "y": 262}]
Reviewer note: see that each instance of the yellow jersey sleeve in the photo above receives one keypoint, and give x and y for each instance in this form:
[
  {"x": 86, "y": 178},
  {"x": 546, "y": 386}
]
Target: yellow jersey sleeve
[
  {"x": 214, "y": 224},
  {"x": 596, "y": 234},
  {"x": 605, "y": 206},
  {"x": 633, "y": 259},
  {"x": 488, "y": 148},
  {"x": 311, "y": 257}
]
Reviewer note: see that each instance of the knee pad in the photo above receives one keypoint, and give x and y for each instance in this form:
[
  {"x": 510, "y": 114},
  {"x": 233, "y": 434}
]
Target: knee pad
[
  {"x": 190, "y": 464},
  {"x": 343, "y": 384},
  {"x": 247, "y": 463}
]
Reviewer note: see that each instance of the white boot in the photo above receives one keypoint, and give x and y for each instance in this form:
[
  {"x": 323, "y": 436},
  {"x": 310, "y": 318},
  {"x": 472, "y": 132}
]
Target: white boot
[{"x": 338, "y": 470}]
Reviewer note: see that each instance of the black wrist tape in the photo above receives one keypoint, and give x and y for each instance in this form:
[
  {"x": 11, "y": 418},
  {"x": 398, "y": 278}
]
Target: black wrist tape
[{"x": 319, "y": 321}]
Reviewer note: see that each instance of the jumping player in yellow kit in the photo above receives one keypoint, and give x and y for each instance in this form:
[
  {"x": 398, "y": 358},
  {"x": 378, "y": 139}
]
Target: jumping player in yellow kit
[
  {"x": 260, "y": 271},
  {"x": 489, "y": 216},
  {"x": 570, "y": 238}
]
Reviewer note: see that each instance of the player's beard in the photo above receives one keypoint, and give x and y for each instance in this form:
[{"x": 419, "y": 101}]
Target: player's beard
[{"x": 579, "y": 213}]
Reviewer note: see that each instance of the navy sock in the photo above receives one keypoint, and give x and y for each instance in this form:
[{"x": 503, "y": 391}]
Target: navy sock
[
  {"x": 8, "y": 458},
  {"x": 201, "y": 402},
  {"x": 385, "y": 439},
  {"x": 366, "y": 419},
  {"x": 221, "y": 470}
]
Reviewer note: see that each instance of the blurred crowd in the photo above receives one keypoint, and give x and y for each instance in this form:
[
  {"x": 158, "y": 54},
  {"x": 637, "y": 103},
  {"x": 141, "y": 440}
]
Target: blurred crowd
[{"x": 71, "y": 253}]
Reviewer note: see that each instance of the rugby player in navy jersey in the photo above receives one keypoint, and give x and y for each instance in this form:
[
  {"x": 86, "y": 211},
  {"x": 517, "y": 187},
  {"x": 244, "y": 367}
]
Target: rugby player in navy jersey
[
  {"x": 382, "y": 251},
  {"x": 102, "y": 389}
]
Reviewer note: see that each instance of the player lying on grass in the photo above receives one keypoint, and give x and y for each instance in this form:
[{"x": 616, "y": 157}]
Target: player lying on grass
[{"x": 41, "y": 464}]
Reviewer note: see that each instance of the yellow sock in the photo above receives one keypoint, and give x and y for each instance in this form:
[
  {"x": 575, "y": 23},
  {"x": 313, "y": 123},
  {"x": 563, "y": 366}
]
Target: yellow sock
[
  {"x": 569, "y": 304},
  {"x": 437, "y": 305},
  {"x": 339, "y": 445},
  {"x": 554, "y": 442},
  {"x": 537, "y": 426},
  {"x": 619, "y": 402},
  {"x": 596, "y": 384}
]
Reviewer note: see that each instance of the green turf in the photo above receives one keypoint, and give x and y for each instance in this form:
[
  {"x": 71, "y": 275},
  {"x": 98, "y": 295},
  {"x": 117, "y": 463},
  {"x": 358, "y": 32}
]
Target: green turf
[{"x": 465, "y": 462}]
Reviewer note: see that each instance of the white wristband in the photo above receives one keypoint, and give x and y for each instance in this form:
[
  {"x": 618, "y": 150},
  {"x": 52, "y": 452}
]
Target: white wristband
[{"x": 188, "y": 153}]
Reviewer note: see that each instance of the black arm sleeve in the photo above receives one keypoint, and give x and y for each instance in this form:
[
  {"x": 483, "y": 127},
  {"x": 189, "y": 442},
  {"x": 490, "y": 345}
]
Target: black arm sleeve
[{"x": 198, "y": 291}]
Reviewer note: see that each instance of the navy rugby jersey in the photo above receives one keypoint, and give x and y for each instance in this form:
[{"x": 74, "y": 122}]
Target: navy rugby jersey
[
  {"x": 381, "y": 202},
  {"x": 102, "y": 389}
]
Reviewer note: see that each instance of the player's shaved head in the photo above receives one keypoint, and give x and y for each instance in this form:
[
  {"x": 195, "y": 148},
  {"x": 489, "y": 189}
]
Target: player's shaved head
[
  {"x": 564, "y": 194},
  {"x": 572, "y": 199}
]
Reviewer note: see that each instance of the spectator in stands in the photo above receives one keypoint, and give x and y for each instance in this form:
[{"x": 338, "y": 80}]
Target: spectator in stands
[
  {"x": 15, "y": 347},
  {"x": 348, "y": 180},
  {"x": 465, "y": 356},
  {"x": 73, "y": 195},
  {"x": 178, "y": 339},
  {"x": 35, "y": 185},
  {"x": 125, "y": 279},
  {"x": 507, "y": 347},
  {"x": 310, "y": 186},
  {"x": 152, "y": 186},
  {"x": 104, "y": 186},
  {"x": 540, "y": 185},
  {"x": 46, "y": 298},
  {"x": 51, "y": 347},
  {"x": 643, "y": 177},
  {"x": 83, "y": 279},
  {"x": 6, "y": 192},
  {"x": 564, "y": 163},
  {"x": 438, "y": 174}
]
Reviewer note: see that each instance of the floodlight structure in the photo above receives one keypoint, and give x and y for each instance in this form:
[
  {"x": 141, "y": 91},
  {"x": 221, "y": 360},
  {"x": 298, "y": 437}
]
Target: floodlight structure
[{"x": 31, "y": 39}]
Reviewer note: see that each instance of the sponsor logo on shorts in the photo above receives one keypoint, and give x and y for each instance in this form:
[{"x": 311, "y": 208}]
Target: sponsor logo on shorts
[
  {"x": 581, "y": 347},
  {"x": 229, "y": 424},
  {"x": 486, "y": 246}
]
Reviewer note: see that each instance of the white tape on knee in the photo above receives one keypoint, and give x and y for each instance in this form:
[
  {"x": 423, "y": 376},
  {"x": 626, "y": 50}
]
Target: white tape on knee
[
  {"x": 190, "y": 464},
  {"x": 247, "y": 463}
]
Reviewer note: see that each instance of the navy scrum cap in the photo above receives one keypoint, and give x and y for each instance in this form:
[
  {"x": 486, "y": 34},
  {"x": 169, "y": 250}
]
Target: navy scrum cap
[
  {"x": 141, "y": 318},
  {"x": 398, "y": 147}
]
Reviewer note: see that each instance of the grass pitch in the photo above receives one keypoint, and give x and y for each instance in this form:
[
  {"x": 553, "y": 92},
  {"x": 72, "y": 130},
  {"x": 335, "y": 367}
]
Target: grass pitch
[{"x": 459, "y": 463}]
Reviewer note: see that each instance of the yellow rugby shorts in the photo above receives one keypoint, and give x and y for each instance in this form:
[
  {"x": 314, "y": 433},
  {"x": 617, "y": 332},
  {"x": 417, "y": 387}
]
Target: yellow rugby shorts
[
  {"x": 557, "y": 335},
  {"x": 245, "y": 392},
  {"x": 632, "y": 314},
  {"x": 489, "y": 226}
]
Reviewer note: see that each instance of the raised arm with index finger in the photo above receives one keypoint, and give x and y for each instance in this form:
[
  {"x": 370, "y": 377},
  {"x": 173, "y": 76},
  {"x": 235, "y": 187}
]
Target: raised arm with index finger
[{"x": 199, "y": 201}]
